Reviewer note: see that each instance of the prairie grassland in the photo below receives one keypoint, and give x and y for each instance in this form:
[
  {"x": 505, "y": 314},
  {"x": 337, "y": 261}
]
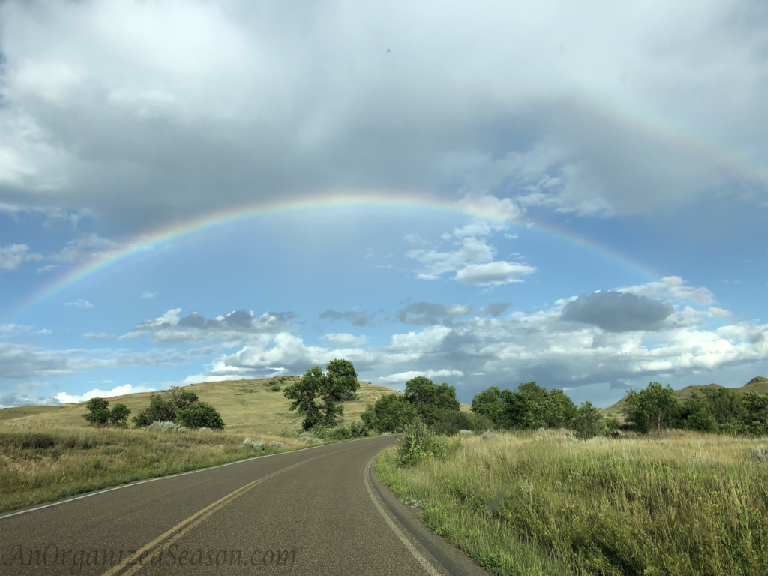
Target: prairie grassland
[
  {"x": 40, "y": 466},
  {"x": 679, "y": 504}
]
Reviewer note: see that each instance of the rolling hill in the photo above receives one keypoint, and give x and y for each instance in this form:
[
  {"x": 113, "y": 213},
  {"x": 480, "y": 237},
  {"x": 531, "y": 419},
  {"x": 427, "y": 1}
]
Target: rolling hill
[{"x": 758, "y": 384}]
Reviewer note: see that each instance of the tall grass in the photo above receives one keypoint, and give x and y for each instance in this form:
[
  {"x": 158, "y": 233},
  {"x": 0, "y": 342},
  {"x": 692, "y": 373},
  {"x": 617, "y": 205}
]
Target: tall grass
[
  {"x": 43, "y": 466},
  {"x": 678, "y": 505}
]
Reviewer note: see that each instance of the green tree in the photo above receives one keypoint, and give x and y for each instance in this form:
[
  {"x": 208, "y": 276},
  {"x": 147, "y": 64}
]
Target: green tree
[
  {"x": 119, "y": 414},
  {"x": 588, "y": 421},
  {"x": 98, "y": 410},
  {"x": 654, "y": 407},
  {"x": 559, "y": 410},
  {"x": 429, "y": 398},
  {"x": 489, "y": 403},
  {"x": 159, "y": 410},
  {"x": 390, "y": 413},
  {"x": 518, "y": 410},
  {"x": 329, "y": 389},
  {"x": 539, "y": 398},
  {"x": 755, "y": 418},
  {"x": 200, "y": 414}
]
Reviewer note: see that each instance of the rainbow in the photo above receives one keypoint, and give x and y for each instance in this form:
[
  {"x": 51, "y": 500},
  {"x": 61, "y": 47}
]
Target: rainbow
[{"x": 410, "y": 203}]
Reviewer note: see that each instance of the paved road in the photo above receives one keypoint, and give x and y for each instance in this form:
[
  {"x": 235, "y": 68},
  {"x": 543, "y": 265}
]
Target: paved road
[{"x": 315, "y": 512}]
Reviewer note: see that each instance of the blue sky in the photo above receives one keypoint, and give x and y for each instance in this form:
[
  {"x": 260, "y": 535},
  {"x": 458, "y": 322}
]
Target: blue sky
[{"x": 590, "y": 179}]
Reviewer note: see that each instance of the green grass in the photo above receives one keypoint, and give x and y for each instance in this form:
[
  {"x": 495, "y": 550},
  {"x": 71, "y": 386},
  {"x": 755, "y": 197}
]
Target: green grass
[{"x": 679, "y": 505}]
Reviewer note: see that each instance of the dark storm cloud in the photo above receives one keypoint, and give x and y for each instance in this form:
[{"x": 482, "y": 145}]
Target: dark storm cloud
[
  {"x": 618, "y": 312},
  {"x": 161, "y": 135},
  {"x": 353, "y": 316},
  {"x": 427, "y": 313}
]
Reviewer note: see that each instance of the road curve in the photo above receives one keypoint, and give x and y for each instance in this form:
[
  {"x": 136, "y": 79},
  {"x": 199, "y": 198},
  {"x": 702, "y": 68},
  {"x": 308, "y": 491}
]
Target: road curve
[{"x": 314, "y": 512}]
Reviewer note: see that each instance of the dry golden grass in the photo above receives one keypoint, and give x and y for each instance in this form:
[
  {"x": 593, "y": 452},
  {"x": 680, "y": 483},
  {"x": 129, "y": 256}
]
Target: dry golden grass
[
  {"x": 247, "y": 406},
  {"x": 680, "y": 504}
]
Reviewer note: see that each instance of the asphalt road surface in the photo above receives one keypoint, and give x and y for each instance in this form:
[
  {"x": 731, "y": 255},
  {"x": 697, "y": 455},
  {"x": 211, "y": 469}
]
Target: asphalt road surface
[{"x": 315, "y": 512}]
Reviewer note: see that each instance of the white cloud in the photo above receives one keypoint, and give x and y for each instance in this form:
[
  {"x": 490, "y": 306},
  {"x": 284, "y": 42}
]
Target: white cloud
[
  {"x": 437, "y": 263},
  {"x": 101, "y": 336},
  {"x": 486, "y": 204},
  {"x": 147, "y": 294},
  {"x": 45, "y": 331},
  {"x": 80, "y": 304},
  {"x": 88, "y": 246},
  {"x": 66, "y": 398},
  {"x": 672, "y": 288},
  {"x": 493, "y": 273},
  {"x": 13, "y": 256},
  {"x": 405, "y": 376},
  {"x": 719, "y": 312},
  {"x": 345, "y": 339}
]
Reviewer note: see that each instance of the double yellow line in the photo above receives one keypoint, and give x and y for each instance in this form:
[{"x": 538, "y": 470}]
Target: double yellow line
[{"x": 190, "y": 523}]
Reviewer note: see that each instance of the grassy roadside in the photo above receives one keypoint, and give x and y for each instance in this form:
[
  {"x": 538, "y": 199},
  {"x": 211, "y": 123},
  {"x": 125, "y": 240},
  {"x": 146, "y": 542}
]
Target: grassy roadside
[
  {"x": 678, "y": 505},
  {"x": 48, "y": 465}
]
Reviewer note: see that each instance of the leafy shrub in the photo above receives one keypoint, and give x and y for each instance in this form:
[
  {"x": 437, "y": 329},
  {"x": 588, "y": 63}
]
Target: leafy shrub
[
  {"x": 310, "y": 438},
  {"x": 200, "y": 414},
  {"x": 165, "y": 407},
  {"x": 450, "y": 422},
  {"x": 612, "y": 426},
  {"x": 418, "y": 443},
  {"x": 465, "y": 432},
  {"x": 98, "y": 411},
  {"x": 288, "y": 432},
  {"x": 488, "y": 434},
  {"x": 167, "y": 427},
  {"x": 588, "y": 421},
  {"x": 258, "y": 445},
  {"x": 275, "y": 444},
  {"x": 275, "y": 387},
  {"x": 119, "y": 414},
  {"x": 759, "y": 454}
]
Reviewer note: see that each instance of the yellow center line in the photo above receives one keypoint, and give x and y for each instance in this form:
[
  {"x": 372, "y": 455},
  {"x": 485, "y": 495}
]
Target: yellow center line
[{"x": 198, "y": 517}]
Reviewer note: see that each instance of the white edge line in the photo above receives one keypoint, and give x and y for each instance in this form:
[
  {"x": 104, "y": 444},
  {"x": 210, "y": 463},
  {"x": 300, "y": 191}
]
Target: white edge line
[{"x": 426, "y": 564}]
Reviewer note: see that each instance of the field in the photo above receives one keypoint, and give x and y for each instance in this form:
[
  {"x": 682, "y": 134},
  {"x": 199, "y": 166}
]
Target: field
[
  {"x": 680, "y": 504},
  {"x": 48, "y": 453}
]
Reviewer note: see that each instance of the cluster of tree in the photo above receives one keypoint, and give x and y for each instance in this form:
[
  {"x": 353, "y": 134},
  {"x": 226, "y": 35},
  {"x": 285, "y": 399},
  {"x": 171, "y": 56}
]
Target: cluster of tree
[
  {"x": 435, "y": 405},
  {"x": 716, "y": 410},
  {"x": 318, "y": 396},
  {"x": 528, "y": 407},
  {"x": 100, "y": 414},
  {"x": 180, "y": 406}
]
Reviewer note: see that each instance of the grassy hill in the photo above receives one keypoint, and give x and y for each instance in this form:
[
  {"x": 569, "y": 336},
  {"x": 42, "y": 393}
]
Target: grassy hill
[
  {"x": 758, "y": 384},
  {"x": 247, "y": 406}
]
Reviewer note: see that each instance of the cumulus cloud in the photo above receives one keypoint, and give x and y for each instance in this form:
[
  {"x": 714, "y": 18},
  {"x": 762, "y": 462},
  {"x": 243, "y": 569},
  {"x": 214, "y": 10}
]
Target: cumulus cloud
[
  {"x": 618, "y": 312},
  {"x": 87, "y": 246},
  {"x": 405, "y": 376},
  {"x": 13, "y": 399},
  {"x": 672, "y": 288},
  {"x": 13, "y": 256},
  {"x": 354, "y": 316},
  {"x": 194, "y": 327},
  {"x": 720, "y": 312},
  {"x": 65, "y": 398},
  {"x": 80, "y": 304},
  {"x": 428, "y": 313},
  {"x": 493, "y": 273}
]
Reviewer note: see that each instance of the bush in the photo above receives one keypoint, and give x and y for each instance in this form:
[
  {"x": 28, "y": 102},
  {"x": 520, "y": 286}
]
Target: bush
[
  {"x": 275, "y": 444},
  {"x": 259, "y": 445},
  {"x": 450, "y": 422},
  {"x": 275, "y": 387},
  {"x": 588, "y": 421},
  {"x": 199, "y": 414},
  {"x": 98, "y": 411},
  {"x": 167, "y": 427},
  {"x": 418, "y": 443},
  {"x": 159, "y": 410},
  {"x": 119, "y": 414}
]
